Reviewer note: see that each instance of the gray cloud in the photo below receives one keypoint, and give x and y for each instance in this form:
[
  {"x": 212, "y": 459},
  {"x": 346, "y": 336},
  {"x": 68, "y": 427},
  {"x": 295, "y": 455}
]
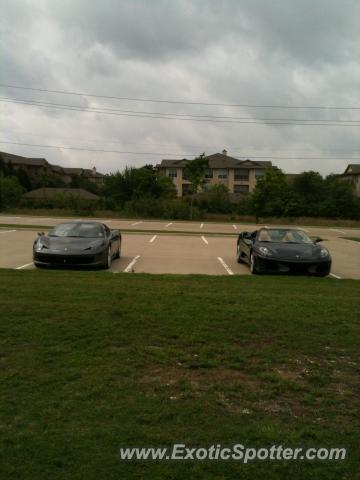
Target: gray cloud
[{"x": 249, "y": 51}]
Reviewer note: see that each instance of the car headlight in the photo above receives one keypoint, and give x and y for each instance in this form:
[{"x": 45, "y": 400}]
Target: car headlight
[
  {"x": 324, "y": 253},
  {"x": 265, "y": 251},
  {"x": 40, "y": 246}
]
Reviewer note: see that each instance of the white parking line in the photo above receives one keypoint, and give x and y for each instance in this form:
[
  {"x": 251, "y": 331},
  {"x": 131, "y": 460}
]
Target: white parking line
[
  {"x": 24, "y": 266},
  {"x": 339, "y": 231},
  {"x": 235, "y": 227},
  {"x": 152, "y": 239},
  {"x": 168, "y": 225},
  {"x": 136, "y": 223},
  {"x": 201, "y": 226},
  {"x": 131, "y": 264},
  {"x": 227, "y": 268},
  {"x": 7, "y": 231},
  {"x": 204, "y": 240},
  {"x": 335, "y": 276}
]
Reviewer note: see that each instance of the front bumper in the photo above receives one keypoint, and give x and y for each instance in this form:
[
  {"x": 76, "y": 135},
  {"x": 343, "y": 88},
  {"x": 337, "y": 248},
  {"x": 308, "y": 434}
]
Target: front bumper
[
  {"x": 300, "y": 267},
  {"x": 48, "y": 259}
]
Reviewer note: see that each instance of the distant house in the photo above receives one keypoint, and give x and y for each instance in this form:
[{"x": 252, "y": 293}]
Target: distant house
[
  {"x": 35, "y": 167},
  {"x": 47, "y": 192},
  {"x": 38, "y": 167},
  {"x": 90, "y": 174},
  {"x": 239, "y": 176},
  {"x": 352, "y": 173}
]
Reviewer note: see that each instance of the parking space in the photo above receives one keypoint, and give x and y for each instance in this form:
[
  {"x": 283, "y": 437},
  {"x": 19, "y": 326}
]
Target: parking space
[
  {"x": 16, "y": 248},
  {"x": 181, "y": 254},
  {"x": 172, "y": 252}
]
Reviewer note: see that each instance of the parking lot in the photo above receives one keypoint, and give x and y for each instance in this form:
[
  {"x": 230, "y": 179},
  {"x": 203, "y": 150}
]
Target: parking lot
[{"x": 176, "y": 247}]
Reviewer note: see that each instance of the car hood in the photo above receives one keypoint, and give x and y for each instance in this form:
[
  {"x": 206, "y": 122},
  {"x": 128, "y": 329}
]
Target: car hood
[
  {"x": 70, "y": 244},
  {"x": 292, "y": 251}
]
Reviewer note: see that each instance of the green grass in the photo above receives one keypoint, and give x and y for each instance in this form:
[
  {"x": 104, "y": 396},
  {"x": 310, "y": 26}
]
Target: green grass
[
  {"x": 354, "y": 239},
  {"x": 91, "y": 361}
]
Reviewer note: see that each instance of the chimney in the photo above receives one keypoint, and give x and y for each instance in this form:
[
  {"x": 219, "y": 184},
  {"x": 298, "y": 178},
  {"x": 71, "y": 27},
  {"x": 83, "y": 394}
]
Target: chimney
[
  {"x": 94, "y": 171},
  {"x": 224, "y": 152}
]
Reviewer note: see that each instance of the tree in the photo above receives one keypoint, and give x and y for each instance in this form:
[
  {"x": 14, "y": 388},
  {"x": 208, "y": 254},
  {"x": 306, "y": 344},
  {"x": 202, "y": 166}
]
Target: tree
[
  {"x": 24, "y": 179},
  {"x": 137, "y": 184},
  {"x": 195, "y": 171},
  {"x": 340, "y": 201},
  {"x": 216, "y": 200},
  {"x": 10, "y": 192},
  {"x": 309, "y": 188},
  {"x": 271, "y": 194},
  {"x": 79, "y": 181}
]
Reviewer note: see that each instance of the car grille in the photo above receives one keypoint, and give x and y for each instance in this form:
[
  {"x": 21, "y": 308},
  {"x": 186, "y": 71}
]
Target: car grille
[
  {"x": 294, "y": 267},
  {"x": 64, "y": 259}
]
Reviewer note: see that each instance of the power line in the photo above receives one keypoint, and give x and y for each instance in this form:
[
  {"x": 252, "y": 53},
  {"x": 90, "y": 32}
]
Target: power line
[
  {"x": 192, "y": 146},
  {"x": 336, "y": 123},
  {"x": 181, "y": 102},
  {"x": 105, "y": 109},
  {"x": 159, "y": 154}
]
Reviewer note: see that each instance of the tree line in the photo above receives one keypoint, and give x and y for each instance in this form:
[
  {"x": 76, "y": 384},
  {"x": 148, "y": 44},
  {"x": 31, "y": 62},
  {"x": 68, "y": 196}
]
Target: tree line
[{"x": 145, "y": 192}]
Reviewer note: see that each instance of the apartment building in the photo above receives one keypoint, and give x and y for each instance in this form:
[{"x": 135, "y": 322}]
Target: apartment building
[
  {"x": 38, "y": 167},
  {"x": 352, "y": 173},
  {"x": 239, "y": 176}
]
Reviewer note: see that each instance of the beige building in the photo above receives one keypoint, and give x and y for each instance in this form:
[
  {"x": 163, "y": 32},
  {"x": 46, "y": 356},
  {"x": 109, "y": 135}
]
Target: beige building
[
  {"x": 239, "y": 176},
  {"x": 352, "y": 173}
]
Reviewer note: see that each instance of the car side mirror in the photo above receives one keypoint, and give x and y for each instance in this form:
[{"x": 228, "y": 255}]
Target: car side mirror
[
  {"x": 114, "y": 233},
  {"x": 318, "y": 239},
  {"x": 247, "y": 236}
]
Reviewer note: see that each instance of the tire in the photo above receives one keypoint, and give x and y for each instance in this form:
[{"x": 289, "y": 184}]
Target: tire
[
  {"x": 253, "y": 268},
  {"x": 118, "y": 252},
  {"x": 108, "y": 259}
]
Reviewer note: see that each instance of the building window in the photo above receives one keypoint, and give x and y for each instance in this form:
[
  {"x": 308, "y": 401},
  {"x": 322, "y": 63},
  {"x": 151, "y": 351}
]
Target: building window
[
  {"x": 209, "y": 173},
  {"x": 241, "y": 188},
  {"x": 259, "y": 174},
  {"x": 172, "y": 172},
  {"x": 223, "y": 173},
  {"x": 241, "y": 174}
]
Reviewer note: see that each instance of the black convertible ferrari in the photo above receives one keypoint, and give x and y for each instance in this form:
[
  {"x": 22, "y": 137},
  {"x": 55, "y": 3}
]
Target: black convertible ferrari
[
  {"x": 77, "y": 244},
  {"x": 283, "y": 250}
]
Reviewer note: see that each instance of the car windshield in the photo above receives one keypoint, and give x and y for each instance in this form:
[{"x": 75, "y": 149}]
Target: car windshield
[
  {"x": 87, "y": 230},
  {"x": 281, "y": 235}
]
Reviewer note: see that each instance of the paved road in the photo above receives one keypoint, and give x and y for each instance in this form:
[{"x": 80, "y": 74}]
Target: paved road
[
  {"x": 173, "y": 226},
  {"x": 175, "y": 253}
]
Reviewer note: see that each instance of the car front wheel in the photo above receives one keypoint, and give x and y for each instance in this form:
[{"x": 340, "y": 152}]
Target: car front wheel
[
  {"x": 253, "y": 268},
  {"x": 108, "y": 258}
]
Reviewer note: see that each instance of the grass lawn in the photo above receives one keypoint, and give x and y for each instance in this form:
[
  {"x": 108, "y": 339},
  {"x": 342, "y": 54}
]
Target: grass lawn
[{"x": 91, "y": 361}]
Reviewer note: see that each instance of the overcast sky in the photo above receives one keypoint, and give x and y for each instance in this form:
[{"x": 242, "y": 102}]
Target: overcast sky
[{"x": 253, "y": 52}]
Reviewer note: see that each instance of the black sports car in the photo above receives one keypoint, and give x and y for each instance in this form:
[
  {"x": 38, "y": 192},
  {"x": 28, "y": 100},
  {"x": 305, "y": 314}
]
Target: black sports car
[
  {"x": 283, "y": 250},
  {"x": 77, "y": 244}
]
